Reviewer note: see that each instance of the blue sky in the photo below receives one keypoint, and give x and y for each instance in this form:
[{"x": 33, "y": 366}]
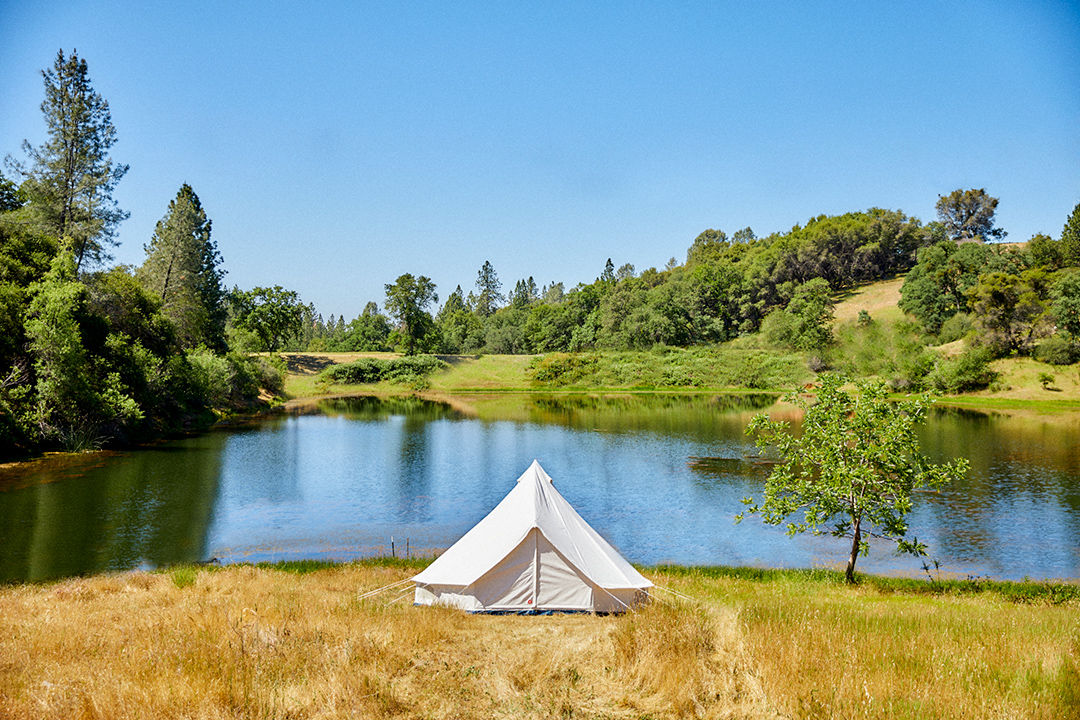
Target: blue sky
[{"x": 336, "y": 146}]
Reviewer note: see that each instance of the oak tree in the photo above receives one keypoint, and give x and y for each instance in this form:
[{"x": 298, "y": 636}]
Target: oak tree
[
  {"x": 969, "y": 215},
  {"x": 407, "y": 300}
]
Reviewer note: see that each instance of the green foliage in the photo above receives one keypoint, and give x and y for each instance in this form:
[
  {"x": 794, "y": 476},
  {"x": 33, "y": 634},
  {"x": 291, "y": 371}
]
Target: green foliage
[
  {"x": 406, "y": 302},
  {"x": 1045, "y": 252},
  {"x": 1070, "y": 239},
  {"x": 969, "y": 215},
  {"x": 1057, "y": 350},
  {"x": 273, "y": 314},
  {"x": 937, "y": 287},
  {"x": 958, "y": 327},
  {"x": 182, "y": 269},
  {"x": 10, "y": 197},
  {"x": 405, "y": 370},
  {"x": 968, "y": 371},
  {"x": 706, "y": 246},
  {"x": 70, "y": 179},
  {"x": 488, "y": 291},
  {"x": 1010, "y": 310},
  {"x": 1065, "y": 304},
  {"x": 668, "y": 367},
  {"x": 853, "y": 468},
  {"x": 1046, "y": 379},
  {"x": 805, "y": 324},
  {"x": 61, "y": 366},
  {"x": 560, "y": 369}
]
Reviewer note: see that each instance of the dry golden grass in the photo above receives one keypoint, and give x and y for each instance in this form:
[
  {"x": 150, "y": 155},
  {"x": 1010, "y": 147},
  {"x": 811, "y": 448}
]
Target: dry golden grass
[
  {"x": 880, "y": 299},
  {"x": 258, "y": 643},
  {"x": 829, "y": 651},
  {"x": 255, "y": 643}
]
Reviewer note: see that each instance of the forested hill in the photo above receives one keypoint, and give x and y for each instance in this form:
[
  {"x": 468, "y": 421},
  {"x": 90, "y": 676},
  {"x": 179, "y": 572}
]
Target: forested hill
[{"x": 94, "y": 353}]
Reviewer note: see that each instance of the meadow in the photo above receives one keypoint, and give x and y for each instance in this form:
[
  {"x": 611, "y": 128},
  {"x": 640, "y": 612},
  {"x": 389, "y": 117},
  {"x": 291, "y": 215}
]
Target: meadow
[{"x": 302, "y": 641}]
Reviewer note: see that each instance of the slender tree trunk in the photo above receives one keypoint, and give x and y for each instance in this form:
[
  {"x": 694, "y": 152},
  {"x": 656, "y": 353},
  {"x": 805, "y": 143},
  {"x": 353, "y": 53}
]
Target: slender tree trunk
[{"x": 856, "y": 539}]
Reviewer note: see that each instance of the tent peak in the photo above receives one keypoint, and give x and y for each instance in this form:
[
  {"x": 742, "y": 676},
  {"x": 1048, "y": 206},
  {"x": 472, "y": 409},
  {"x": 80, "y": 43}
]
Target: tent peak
[{"x": 536, "y": 472}]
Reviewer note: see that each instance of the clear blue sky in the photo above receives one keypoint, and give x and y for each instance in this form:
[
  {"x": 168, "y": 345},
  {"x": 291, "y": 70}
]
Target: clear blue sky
[{"x": 338, "y": 145}]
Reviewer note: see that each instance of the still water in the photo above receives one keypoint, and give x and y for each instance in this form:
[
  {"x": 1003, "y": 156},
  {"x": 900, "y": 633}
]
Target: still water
[{"x": 660, "y": 477}]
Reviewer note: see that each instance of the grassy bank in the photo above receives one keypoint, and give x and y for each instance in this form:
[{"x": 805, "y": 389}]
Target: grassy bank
[
  {"x": 268, "y": 643},
  {"x": 671, "y": 370}
]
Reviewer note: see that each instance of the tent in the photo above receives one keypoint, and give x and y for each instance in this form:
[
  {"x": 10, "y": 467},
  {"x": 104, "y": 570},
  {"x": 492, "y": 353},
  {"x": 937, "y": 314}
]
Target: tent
[{"x": 532, "y": 553}]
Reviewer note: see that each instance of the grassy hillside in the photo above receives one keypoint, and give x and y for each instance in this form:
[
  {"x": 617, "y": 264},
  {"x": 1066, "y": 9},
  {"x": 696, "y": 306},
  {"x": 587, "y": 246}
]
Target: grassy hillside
[
  {"x": 747, "y": 363},
  {"x": 263, "y": 643}
]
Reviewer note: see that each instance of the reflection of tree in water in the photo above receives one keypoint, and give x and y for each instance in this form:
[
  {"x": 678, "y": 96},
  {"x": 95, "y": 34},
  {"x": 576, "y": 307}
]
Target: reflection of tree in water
[
  {"x": 414, "y": 470},
  {"x": 1019, "y": 466},
  {"x": 152, "y": 506},
  {"x": 747, "y": 474},
  {"x": 369, "y": 408},
  {"x": 699, "y": 415}
]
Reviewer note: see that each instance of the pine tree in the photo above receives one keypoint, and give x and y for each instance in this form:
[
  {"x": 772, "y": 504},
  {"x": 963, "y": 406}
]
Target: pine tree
[
  {"x": 69, "y": 183},
  {"x": 1070, "y": 238},
  {"x": 182, "y": 270},
  {"x": 489, "y": 291}
]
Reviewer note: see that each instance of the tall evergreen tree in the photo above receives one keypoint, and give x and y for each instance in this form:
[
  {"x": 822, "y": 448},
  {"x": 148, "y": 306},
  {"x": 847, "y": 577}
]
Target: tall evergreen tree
[
  {"x": 488, "y": 291},
  {"x": 182, "y": 268},
  {"x": 1070, "y": 238},
  {"x": 70, "y": 179}
]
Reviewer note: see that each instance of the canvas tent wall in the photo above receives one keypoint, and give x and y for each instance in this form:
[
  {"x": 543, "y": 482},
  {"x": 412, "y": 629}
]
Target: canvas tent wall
[{"x": 533, "y": 552}]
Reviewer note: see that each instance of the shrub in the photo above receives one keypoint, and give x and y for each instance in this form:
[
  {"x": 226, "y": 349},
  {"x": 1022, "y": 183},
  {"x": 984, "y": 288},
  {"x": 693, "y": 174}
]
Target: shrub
[
  {"x": 409, "y": 369},
  {"x": 1057, "y": 350},
  {"x": 969, "y": 371},
  {"x": 957, "y": 327},
  {"x": 562, "y": 368},
  {"x": 213, "y": 376}
]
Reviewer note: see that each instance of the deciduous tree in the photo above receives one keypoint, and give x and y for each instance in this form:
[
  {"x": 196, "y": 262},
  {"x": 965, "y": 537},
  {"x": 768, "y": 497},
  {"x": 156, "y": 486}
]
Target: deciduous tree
[
  {"x": 853, "y": 469},
  {"x": 273, "y": 314},
  {"x": 969, "y": 215},
  {"x": 407, "y": 300},
  {"x": 1070, "y": 238}
]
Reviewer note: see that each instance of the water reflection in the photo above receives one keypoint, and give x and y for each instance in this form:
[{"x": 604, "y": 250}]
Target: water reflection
[
  {"x": 661, "y": 476},
  {"x": 152, "y": 507}
]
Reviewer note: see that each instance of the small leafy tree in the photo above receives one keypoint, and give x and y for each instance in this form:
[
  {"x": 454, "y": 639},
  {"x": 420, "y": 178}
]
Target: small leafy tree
[{"x": 853, "y": 469}]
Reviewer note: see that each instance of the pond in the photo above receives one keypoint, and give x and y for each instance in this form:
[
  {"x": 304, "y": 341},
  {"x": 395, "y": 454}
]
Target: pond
[{"x": 660, "y": 476}]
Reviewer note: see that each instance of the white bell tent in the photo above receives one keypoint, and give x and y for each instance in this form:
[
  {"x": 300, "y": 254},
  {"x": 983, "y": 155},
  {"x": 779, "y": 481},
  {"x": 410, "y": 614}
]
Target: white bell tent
[{"x": 532, "y": 553}]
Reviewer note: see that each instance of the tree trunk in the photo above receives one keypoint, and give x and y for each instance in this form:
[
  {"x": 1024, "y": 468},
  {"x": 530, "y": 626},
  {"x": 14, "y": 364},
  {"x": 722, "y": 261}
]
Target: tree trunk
[{"x": 857, "y": 537}]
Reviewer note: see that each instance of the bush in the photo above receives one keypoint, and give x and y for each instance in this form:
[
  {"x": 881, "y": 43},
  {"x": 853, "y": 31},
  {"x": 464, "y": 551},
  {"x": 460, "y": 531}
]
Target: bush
[
  {"x": 562, "y": 368},
  {"x": 408, "y": 369},
  {"x": 958, "y": 327},
  {"x": 969, "y": 371},
  {"x": 1057, "y": 350},
  {"x": 213, "y": 376}
]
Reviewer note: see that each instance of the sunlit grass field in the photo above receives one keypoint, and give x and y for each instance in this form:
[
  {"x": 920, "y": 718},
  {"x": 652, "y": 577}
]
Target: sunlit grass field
[{"x": 276, "y": 643}]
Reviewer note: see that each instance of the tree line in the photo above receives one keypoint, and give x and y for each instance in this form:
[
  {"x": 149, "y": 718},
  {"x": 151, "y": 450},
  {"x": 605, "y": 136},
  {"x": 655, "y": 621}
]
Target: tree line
[
  {"x": 91, "y": 353},
  {"x": 1013, "y": 299}
]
